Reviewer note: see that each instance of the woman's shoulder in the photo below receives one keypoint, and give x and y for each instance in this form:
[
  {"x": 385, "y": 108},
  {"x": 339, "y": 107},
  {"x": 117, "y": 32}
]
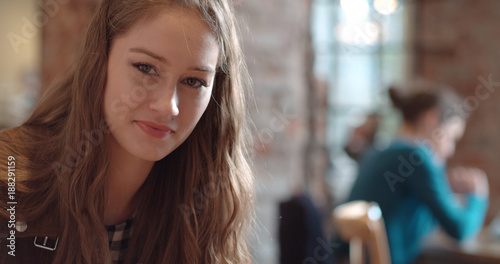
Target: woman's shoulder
[
  {"x": 7, "y": 145},
  {"x": 16, "y": 171},
  {"x": 12, "y": 137},
  {"x": 15, "y": 151},
  {"x": 414, "y": 148},
  {"x": 22, "y": 140},
  {"x": 402, "y": 153},
  {"x": 6, "y": 134},
  {"x": 11, "y": 143}
]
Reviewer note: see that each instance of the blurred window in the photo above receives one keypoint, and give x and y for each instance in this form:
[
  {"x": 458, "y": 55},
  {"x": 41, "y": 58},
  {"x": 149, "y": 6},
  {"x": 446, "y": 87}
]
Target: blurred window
[{"x": 360, "y": 50}]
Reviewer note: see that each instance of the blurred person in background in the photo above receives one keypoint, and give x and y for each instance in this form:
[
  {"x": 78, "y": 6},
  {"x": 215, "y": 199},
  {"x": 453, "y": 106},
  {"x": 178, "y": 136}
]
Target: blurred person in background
[
  {"x": 409, "y": 179},
  {"x": 362, "y": 137}
]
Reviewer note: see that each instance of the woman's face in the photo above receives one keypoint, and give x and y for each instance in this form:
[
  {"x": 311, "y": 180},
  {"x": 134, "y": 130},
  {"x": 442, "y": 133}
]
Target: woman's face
[
  {"x": 159, "y": 82},
  {"x": 450, "y": 132}
]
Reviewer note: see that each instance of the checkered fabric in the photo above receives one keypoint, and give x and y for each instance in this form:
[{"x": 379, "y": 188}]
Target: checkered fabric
[{"x": 118, "y": 240}]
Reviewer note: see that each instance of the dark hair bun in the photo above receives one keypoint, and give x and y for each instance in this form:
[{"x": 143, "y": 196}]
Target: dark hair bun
[
  {"x": 397, "y": 97},
  {"x": 422, "y": 95}
]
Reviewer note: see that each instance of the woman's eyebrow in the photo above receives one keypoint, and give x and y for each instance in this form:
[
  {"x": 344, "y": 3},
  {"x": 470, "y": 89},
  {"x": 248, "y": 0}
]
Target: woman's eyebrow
[
  {"x": 162, "y": 59},
  {"x": 203, "y": 69},
  {"x": 149, "y": 53}
]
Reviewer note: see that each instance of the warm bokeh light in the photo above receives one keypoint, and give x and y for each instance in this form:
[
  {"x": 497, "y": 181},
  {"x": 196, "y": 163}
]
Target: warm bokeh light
[{"x": 386, "y": 7}]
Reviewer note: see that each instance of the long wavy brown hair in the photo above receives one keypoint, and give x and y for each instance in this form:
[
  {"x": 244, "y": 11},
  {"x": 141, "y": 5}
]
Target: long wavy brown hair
[{"x": 196, "y": 205}]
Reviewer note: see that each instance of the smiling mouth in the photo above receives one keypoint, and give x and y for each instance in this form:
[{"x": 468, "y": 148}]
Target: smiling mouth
[{"x": 153, "y": 129}]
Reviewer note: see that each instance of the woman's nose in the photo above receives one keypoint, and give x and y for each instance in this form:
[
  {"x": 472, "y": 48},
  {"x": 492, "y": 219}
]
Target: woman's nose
[{"x": 165, "y": 101}]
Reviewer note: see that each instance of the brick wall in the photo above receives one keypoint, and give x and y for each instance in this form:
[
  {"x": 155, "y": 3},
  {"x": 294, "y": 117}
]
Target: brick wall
[
  {"x": 458, "y": 44},
  {"x": 276, "y": 46}
]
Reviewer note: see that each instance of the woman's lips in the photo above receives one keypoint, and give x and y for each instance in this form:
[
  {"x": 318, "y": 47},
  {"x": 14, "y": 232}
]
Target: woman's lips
[{"x": 154, "y": 129}]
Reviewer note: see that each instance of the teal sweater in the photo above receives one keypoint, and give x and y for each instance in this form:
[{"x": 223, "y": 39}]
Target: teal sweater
[{"x": 411, "y": 187}]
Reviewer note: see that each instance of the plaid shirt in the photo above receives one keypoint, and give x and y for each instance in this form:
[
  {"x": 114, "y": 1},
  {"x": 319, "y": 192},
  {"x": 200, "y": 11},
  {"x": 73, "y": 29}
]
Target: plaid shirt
[{"x": 118, "y": 240}]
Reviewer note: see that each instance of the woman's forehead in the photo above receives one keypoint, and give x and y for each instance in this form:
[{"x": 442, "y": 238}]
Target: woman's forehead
[{"x": 173, "y": 31}]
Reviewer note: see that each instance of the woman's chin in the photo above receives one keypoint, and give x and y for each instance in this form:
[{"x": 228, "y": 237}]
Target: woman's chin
[{"x": 153, "y": 157}]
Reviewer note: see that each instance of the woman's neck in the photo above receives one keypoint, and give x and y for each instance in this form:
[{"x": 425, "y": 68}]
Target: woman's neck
[
  {"x": 126, "y": 174},
  {"x": 412, "y": 131},
  {"x": 416, "y": 134}
]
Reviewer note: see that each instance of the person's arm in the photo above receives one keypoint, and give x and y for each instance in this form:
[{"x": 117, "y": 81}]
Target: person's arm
[
  {"x": 468, "y": 180},
  {"x": 430, "y": 184}
]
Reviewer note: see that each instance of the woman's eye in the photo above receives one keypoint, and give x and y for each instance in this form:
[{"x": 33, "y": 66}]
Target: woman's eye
[
  {"x": 145, "y": 68},
  {"x": 195, "y": 83}
]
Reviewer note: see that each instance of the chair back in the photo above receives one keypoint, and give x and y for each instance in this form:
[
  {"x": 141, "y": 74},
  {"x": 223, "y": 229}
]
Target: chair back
[{"x": 361, "y": 224}]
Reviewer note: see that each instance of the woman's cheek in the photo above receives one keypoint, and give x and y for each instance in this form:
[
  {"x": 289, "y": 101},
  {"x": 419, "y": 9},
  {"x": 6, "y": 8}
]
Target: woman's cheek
[
  {"x": 197, "y": 100},
  {"x": 447, "y": 149}
]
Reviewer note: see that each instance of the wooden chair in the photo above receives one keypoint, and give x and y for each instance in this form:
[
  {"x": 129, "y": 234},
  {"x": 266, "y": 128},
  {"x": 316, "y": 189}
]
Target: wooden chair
[{"x": 361, "y": 224}]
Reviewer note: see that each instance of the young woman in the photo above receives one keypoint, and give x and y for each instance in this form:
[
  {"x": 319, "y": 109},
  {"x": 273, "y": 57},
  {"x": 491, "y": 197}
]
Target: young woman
[
  {"x": 138, "y": 155},
  {"x": 409, "y": 180}
]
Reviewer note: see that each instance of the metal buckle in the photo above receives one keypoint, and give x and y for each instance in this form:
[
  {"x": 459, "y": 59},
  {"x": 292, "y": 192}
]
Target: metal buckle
[{"x": 44, "y": 245}]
